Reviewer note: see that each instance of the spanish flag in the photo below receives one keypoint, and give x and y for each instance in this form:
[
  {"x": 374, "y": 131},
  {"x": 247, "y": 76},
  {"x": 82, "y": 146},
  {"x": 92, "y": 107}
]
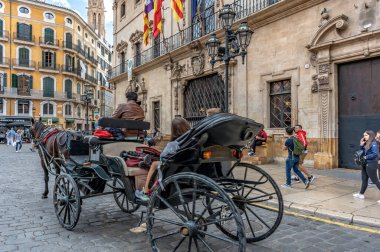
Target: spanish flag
[
  {"x": 177, "y": 8},
  {"x": 157, "y": 20},
  {"x": 147, "y": 9}
]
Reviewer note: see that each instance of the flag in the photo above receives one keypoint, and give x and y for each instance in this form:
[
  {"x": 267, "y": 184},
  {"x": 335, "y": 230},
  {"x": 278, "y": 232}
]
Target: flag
[
  {"x": 148, "y": 7},
  {"x": 157, "y": 20},
  {"x": 177, "y": 8}
]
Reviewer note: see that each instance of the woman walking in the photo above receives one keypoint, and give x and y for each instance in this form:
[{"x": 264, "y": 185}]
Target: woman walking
[
  {"x": 371, "y": 156},
  {"x": 18, "y": 138}
]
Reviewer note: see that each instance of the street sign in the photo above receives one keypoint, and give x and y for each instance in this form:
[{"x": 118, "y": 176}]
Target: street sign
[{"x": 50, "y": 122}]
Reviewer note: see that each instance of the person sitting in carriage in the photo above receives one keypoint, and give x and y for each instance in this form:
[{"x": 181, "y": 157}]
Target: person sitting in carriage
[
  {"x": 179, "y": 127},
  {"x": 130, "y": 110}
]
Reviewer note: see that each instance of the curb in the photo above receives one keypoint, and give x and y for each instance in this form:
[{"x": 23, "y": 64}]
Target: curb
[{"x": 350, "y": 218}]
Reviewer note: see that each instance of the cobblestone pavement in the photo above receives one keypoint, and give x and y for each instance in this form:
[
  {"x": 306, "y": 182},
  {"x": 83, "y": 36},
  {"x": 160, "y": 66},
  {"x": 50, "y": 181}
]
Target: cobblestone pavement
[{"x": 28, "y": 223}]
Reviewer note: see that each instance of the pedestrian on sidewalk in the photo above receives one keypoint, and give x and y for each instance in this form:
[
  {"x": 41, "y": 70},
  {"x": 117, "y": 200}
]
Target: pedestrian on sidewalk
[
  {"x": 369, "y": 169},
  {"x": 301, "y": 135},
  {"x": 259, "y": 139},
  {"x": 8, "y": 136},
  {"x": 292, "y": 162},
  {"x": 12, "y": 134},
  {"x": 18, "y": 139},
  {"x": 370, "y": 183}
]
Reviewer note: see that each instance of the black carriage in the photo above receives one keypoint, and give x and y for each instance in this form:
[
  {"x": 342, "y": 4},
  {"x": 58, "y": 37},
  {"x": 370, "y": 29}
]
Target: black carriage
[{"x": 205, "y": 196}]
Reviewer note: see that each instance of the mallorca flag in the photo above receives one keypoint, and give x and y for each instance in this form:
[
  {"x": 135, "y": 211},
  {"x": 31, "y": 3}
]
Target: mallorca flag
[
  {"x": 147, "y": 9},
  {"x": 157, "y": 20},
  {"x": 177, "y": 9}
]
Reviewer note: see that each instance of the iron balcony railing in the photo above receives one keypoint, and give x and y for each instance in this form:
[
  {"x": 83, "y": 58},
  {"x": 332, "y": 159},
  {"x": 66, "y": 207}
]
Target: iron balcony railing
[
  {"x": 23, "y": 63},
  {"x": 34, "y": 93},
  {"x": 48, "y": 66},
  {"x": 4, "y": 34},
  {"x": 210, "y": 23},
  {"x": 4, "y": 61},
  {"x": 91, "y": 79},
  {"x": 69, "y": 45},
  {"x": 49, "y": 42},
  {"x": 69, "y": 69},
  {"x": 80, "y": 50},
  {"x": 24, "y": 37}
]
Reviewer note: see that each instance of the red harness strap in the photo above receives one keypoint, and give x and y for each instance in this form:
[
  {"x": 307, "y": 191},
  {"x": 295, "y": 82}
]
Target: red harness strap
[{"x": 49, "y": 135}]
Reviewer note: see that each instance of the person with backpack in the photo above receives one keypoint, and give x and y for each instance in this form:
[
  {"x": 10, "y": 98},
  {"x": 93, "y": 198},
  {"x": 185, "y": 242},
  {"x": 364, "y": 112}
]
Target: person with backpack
[
  {"x": 301, "y": 135},
  {"x": 369, "y": 168},
  {"x": 295, "y": 149}
]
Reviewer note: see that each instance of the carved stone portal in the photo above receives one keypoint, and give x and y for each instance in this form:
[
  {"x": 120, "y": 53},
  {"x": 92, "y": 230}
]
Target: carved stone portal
[{"x": 136, "y": 37}]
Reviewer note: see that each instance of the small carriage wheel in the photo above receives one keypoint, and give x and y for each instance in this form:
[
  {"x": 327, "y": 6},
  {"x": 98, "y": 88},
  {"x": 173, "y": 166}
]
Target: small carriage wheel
[
  {"x": 67, "y": 201},
  {"x": 258, "y": 199},
  {"x": 178, "y": 217},
  {"x": 121, "y": 198}
]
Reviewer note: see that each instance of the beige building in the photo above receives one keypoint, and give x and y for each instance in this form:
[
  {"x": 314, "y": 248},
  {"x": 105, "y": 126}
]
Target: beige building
[{"x": 310, "y": 62}]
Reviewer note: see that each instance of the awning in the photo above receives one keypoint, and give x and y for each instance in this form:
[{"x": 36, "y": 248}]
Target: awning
[
  {"x": 70, "y": 120},
  {"x": 54, "y": 119}
]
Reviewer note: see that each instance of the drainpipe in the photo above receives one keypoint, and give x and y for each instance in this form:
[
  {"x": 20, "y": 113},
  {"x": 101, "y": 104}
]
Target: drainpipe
[{"x": 10, "y": 52}]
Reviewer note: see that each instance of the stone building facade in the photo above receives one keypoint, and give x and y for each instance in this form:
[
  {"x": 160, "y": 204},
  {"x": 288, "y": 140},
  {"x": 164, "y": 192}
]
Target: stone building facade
[{"x": 310, "y": 62}]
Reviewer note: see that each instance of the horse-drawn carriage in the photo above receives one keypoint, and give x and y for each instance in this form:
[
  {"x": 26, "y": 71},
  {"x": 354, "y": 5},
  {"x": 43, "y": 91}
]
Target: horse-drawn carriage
[{"x": 204, "y": 195}]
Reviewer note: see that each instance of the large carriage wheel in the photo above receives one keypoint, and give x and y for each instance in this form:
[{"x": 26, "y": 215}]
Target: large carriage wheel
[
  {"x": 120, "y": 185},
  {"x": 258, "y": 199},
  {"x": 67, "y": 201},
  {"x": 178, "y": 218}
]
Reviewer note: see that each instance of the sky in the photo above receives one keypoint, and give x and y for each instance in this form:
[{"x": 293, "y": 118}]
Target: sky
[{"x": 80, "y": 7}]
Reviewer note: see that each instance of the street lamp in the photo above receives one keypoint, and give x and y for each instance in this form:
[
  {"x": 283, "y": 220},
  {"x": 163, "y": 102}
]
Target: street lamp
[
  {"x": 234, "y": 42},
  {"x": 86, "y": 97}
]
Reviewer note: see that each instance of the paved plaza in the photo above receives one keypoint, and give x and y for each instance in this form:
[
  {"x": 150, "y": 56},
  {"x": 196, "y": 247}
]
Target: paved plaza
[{"x": 28, "y": 223}]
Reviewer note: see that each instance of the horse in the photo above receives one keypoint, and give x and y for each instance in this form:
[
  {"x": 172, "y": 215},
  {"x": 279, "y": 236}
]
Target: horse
[{"x": 52, "y": 145}]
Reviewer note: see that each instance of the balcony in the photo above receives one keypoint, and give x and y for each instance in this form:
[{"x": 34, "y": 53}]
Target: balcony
[
  {"x": 48, "y": 67},
  {"x": 4, "y": 35},
  {"x": 37, "y": 94},
  {"x": 91, "y": 80},
  {"x": 92, "y": 61},
  {"x": 69, "y": 46},
  {"x": 49, "y": 43},
  {"x": 209, "y": 24},
  {"x": 4, "y": 62},
  {"x": 24, "y": 64},
  {"x": 81, "y": 52},
  {"x": 25, "y": 39},
  {"x": 69, "y": 70}
]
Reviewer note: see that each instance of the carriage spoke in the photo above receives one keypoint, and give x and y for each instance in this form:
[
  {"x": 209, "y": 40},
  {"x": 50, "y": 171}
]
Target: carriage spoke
[
  {"x": 73, "y": 210},
  {"x": 205, "y": 243},
  {"x": 179, "y": 244},
  {"x": 249, "y": 223},
  {"x": 205, "y": 209},
  {"x": 196, "y": 244},
  {"x": 190, "y": 241},
  {"x": 182, "y": 199},
  {"x": 262, "y": 176},
  {"x": 165, "y": 235},
  {"x": 245, "y": 178},
  {"x": 122, "y": 202},
  {"x": 252, "y": 200},
  {"x": 258, "y": 217},
  {"x": 217, "y": 237},
  {"x": 63, "y": 207},
  {"x": 64, "y": 218},
  {"x": 167, "y": 220},
  {"x": 171, "y": 208},
  {"x": 215, "y": 221},
  {"x": 68, "y": 214},
  {"x": 194, "y": 199}
]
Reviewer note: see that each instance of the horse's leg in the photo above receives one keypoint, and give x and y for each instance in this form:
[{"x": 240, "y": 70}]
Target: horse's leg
[{"x": 46, "y": 175}]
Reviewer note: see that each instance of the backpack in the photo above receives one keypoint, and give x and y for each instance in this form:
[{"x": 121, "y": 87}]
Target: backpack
[{"x": 298, "y": 146}]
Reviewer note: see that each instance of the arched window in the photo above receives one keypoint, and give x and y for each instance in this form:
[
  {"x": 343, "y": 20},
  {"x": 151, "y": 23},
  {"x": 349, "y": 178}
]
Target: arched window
[
  {"x": 49, "y": 15},
  {"x": 48, "y": 87},
  {"x": 69, "y": 89},
  {"x": 79, "y": 89},
  {"x": 23, "y": 57},
  {"x": 69, "y": 40},
  {"x": 48, "y": 59},
  {"x": 24, "y": 10},
  {"x": 79, "y": 44},
  {"x": 1, "y": 28},
  {"x": 100, "y": 22},
  {"x": 69, "y": 21},
  {"x": 68, "y": 111},
  {"x": 49, "y": 36},
  {"x": 48, "y": 109},
  {"x": 79, "y": 111},
  {"x": 94, "y": 20},
  {"x": 24, "y": 31}
]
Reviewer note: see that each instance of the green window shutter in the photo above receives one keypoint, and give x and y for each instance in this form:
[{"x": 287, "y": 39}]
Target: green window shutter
[
  {"x": 30, "y": 36},
  {"x": 1, "y": 28},
  {"x": 14, "y": 80},
  {"x": 5, "y": 79},
  {"x": 31, "y": 82},
  {"x": 43, "y": 59},
  {"x": 18, "y": 29},
  {"x": 54, "y": 60}
]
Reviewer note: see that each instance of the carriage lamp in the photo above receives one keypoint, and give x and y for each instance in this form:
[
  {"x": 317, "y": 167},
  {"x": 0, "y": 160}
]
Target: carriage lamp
[
  {"x": 236, "y": 44},
  {"x": 207, "y": 155},
  {"x": 227, "y": 16}
]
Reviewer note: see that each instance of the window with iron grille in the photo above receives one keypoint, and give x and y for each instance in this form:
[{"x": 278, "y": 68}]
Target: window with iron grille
[
  {"x": 138, "y": 54},
  {"x": 156, "y": 114},
  {"x": 202, "y": 94},
  {"x": 280, "y": 104}
]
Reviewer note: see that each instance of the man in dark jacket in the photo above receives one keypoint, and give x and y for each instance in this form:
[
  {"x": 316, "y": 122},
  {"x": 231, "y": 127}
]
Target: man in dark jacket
[{"x": 129, "y": 111}]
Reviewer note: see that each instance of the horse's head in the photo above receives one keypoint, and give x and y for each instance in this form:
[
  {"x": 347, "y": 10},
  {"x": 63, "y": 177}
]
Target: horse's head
[{"x": 36, "y": 130}]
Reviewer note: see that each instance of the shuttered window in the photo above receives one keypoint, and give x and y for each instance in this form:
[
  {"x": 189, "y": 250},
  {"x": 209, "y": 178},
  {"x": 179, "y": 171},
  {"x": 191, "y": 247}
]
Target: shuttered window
[
  {"x": 1, "y": 28},
  {"x": 49, "y": 36},
  {"x": 48, "y": 59},
  {"x": 69, "y": 89},
  {"x": 24, "y": 31},
  {"x": 48, "y": 109},
  {"x": 68, "y": 111},
  {"x": 69, "y": 40},
  {"x": 23, "y": 57},
  {"x": 48, "y": 87}
]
